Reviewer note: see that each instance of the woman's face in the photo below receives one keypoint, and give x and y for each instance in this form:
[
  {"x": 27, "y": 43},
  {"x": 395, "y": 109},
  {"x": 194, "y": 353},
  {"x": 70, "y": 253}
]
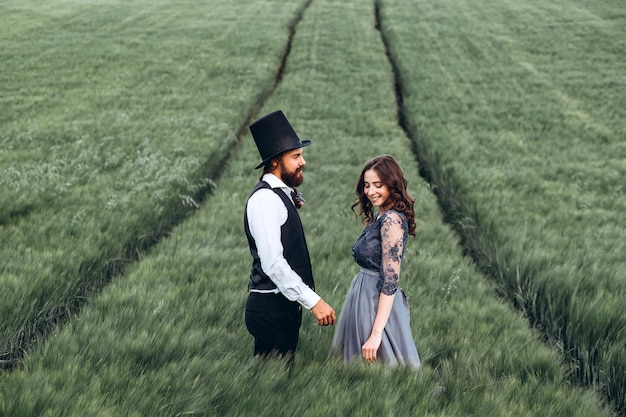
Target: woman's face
[{"x": 375, "y": 190}]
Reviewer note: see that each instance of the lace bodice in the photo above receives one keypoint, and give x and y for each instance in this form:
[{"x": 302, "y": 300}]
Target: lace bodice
[{"x": 380, "y": 248}]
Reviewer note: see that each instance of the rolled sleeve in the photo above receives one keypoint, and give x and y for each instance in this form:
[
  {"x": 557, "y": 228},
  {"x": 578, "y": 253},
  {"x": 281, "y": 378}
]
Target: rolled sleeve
[{"x": 266, "y": 214}]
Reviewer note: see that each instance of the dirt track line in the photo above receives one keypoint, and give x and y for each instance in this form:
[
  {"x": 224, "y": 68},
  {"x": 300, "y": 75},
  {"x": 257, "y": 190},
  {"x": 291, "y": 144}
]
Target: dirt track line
[
  {"x": 15, "y": 349},
  {"x": 452, "y": 215}
]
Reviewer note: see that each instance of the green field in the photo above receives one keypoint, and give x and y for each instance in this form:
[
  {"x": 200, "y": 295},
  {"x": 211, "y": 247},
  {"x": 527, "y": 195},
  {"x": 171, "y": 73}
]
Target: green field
[
  {"x": 520, "y": 127},
  {"x": 115, "y": 120},
  {"x": 125, "y": 165}
]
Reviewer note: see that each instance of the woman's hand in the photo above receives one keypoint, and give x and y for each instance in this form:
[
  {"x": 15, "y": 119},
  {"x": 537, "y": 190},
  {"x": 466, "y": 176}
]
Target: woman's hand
[{"x": 370, "y": 348}]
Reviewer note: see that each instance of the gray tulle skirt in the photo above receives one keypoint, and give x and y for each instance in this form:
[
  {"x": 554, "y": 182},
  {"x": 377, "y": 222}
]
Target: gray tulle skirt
[{"x": 356, "y": 320}]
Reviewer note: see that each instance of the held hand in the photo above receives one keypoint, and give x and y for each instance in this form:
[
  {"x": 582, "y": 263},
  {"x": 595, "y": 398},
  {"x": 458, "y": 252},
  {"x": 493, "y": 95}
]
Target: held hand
[
  {"x": 324, "y": 313},
  {"x": 369, "y": 349}
]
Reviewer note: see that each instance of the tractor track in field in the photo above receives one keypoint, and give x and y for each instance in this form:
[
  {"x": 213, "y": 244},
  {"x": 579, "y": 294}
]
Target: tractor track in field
[
  {"x": 100, "y": 272},
  {"x": 455, "y": 216}
]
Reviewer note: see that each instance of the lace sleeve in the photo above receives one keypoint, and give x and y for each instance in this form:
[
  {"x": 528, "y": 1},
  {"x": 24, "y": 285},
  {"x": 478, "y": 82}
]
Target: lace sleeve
[{"x": 393, "y": 237}]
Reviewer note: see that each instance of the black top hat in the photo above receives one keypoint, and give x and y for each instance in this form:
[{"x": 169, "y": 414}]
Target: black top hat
[{"x": 274, "y": 135}]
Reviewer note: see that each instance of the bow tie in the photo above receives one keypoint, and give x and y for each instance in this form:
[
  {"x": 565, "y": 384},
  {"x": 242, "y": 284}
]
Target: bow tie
[{"x": 297, "y": 198}]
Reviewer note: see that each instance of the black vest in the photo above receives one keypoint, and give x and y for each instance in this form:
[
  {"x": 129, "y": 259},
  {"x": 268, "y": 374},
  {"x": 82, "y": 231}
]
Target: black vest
[{"x": 292, "y": 238}]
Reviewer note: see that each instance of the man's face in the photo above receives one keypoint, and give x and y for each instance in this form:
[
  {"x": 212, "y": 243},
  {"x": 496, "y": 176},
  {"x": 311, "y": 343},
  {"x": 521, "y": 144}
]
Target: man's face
[{"x": 290, "y": 167}]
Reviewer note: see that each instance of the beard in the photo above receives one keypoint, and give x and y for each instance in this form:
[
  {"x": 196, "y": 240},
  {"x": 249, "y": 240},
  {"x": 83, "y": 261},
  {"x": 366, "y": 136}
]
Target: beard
[{"x": 292, "y": 179}]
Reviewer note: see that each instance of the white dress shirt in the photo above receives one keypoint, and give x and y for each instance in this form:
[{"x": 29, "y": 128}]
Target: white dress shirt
[{"x": 266, "y": 214}]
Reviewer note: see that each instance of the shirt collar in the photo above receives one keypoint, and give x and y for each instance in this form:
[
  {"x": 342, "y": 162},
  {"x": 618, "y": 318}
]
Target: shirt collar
[{"x": 275, "y": 182}]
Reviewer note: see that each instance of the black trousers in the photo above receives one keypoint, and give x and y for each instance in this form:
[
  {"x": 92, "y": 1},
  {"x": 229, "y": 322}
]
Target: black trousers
[{"x": 275, "y": 323}]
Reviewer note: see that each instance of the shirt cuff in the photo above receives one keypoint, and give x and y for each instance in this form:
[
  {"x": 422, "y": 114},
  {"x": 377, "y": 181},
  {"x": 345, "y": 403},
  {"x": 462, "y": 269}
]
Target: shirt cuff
[{"x": 309, "y": 298}]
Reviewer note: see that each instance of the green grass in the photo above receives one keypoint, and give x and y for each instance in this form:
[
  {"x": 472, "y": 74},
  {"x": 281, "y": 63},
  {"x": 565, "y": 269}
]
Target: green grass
[
  {"x": 167, "y": 338},
  {"x": 517, "y": 112},
  {"x": 116, "y": 121}
]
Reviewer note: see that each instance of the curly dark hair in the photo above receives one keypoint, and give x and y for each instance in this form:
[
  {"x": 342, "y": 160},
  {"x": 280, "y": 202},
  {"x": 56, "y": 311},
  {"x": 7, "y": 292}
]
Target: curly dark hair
[{"x": 392, "y": 176}]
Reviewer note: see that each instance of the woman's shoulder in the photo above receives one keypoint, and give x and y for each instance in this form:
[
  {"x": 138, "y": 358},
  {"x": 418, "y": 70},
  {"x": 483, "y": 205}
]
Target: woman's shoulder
[
  {"x": 392, "y": 215},
  {"x": 393, "y": 219}
]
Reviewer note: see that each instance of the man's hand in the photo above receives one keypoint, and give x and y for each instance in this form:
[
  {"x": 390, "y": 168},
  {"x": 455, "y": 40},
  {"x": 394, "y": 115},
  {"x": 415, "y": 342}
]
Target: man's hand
[{"x": 324, "y": 313}]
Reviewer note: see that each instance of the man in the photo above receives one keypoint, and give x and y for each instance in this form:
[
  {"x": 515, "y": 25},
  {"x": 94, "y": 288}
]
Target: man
[{"x": 281, "y": 279}]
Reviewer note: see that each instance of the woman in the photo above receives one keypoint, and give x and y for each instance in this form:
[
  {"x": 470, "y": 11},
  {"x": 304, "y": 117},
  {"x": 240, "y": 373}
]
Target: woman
[{"x": 374, "y": 321}]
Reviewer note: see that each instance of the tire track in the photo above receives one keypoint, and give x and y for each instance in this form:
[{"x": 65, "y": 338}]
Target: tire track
[
  {"x": 461, "y": 219},
  {"x": 100, "y": 272}
]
